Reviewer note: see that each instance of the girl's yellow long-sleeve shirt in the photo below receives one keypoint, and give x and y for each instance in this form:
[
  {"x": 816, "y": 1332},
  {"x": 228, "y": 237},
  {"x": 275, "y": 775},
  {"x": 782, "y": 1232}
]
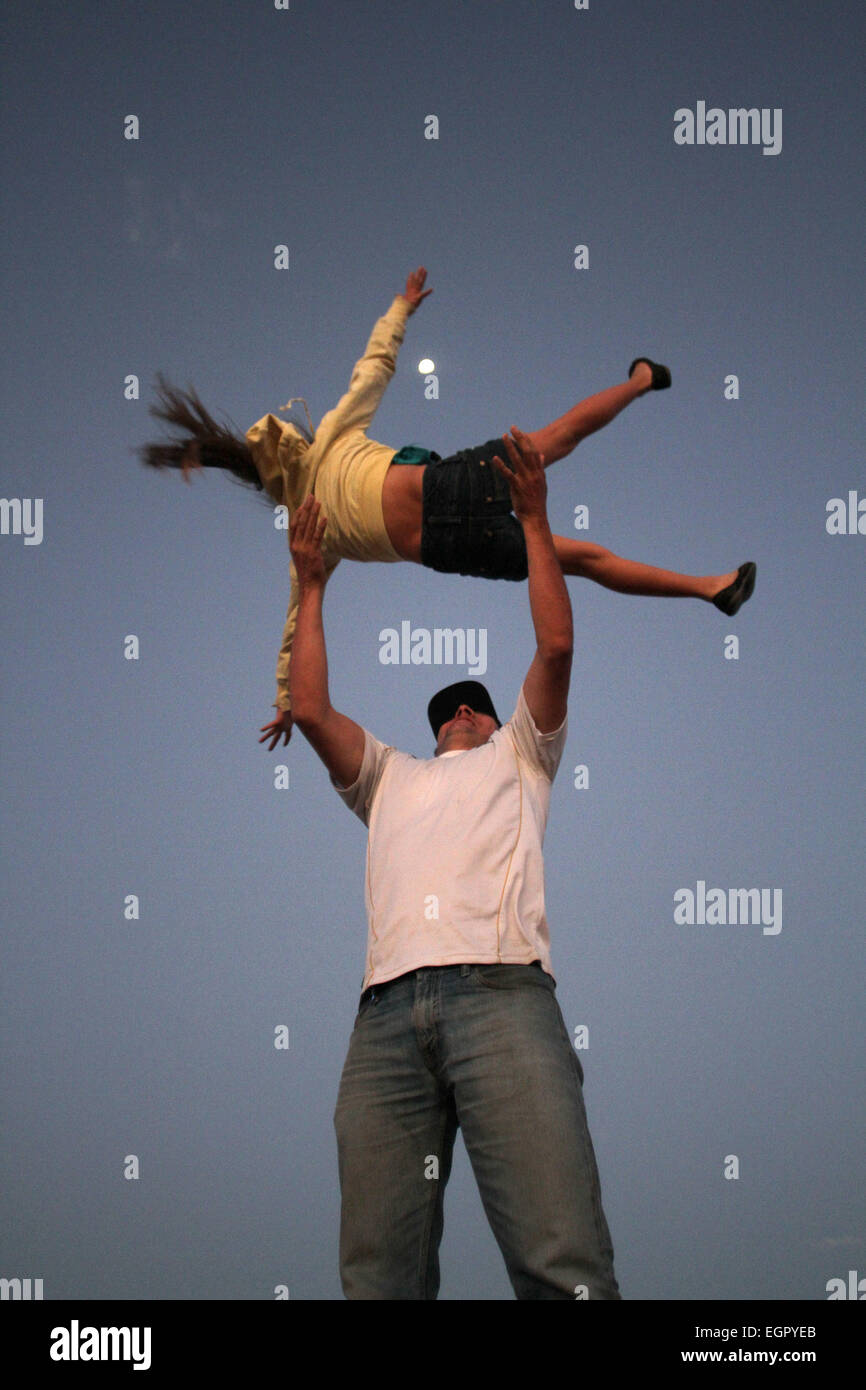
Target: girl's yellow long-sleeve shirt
[{"x": 342, "y": 468}]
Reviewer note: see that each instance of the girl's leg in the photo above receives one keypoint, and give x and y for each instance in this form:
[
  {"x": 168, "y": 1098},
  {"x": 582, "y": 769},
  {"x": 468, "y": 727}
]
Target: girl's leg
[
  {"x": 629, "y": 577},
  {"x": 556, "y": 440},
  {"x": 402, "y": 508}
]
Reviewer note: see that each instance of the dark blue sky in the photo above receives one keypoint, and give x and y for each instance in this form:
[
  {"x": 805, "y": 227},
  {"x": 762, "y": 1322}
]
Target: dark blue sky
[{"x": 306, "y": 128}]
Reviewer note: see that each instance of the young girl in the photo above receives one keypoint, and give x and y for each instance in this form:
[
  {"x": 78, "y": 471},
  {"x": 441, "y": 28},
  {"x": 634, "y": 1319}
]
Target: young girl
[{"x": 452, "y": 515}]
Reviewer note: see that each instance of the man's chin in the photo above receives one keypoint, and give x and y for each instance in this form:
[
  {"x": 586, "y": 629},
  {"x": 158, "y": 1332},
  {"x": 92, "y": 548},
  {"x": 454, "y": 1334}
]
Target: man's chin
[{"x": 461, "y": 739}]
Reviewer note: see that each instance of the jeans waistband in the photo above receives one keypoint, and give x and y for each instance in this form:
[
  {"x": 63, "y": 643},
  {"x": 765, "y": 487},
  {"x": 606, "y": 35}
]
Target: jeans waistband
[{"x": 373, "y": 991}]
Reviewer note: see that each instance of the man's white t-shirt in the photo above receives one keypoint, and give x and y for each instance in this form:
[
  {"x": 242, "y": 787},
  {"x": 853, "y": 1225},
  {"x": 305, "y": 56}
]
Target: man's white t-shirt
[{"x": 454, "y": 862}]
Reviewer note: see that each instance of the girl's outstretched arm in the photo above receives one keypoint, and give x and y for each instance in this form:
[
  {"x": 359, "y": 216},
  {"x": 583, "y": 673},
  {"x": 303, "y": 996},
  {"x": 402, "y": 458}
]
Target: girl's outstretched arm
[
  {"x": 355, "y": 410},
  {"x": 373, "y": 371},
  {"x": 282, "y": 723}
]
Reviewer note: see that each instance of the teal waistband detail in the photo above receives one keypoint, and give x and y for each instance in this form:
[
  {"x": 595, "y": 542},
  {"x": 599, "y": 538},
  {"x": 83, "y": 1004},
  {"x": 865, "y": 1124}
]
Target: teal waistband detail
[{"x": 413, "y": 453}]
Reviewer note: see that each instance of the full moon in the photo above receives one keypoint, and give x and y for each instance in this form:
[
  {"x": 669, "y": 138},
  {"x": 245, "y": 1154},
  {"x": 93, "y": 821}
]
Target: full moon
[{"x": 425, "y": 365}]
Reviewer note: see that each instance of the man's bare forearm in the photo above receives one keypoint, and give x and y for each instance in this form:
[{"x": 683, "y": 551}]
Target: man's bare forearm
[
  {"x": 548, "y": 595},
  {"x": 308, "y": 672}
]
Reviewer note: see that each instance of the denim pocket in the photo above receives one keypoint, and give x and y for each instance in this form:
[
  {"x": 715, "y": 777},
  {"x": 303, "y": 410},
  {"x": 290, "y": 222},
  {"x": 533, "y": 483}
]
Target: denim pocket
[
  {"x": 512, "y": 976},
  {"x": 364, "y": 1007}
]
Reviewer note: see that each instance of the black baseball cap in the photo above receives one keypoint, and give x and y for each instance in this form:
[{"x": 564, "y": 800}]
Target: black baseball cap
[{"x": 446, "y": 703}]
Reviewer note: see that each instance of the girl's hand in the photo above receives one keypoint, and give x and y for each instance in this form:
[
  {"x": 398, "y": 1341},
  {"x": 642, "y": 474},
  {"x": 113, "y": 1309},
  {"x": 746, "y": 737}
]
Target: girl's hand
[
  {"x": 281, "y": 725},
  {"x": 414, "y": 290}
]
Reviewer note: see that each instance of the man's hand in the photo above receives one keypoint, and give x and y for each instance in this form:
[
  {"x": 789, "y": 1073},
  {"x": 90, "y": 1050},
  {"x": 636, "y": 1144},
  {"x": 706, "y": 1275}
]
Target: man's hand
[
  {"x": 281, "y": 725},
  {"x": 526, "y": 477},
  {"x": 414, "y": 290},
  {"x": 306, "y": 529}
]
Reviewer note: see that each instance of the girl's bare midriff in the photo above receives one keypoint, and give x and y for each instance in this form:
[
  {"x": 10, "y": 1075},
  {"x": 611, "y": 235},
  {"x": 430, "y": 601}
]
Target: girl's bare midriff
[{"x": 402, "y": 508}]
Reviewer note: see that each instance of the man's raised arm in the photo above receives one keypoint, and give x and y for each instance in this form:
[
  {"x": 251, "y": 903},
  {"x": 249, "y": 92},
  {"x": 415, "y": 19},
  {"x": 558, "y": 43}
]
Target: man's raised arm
[
  {"x": 546, "y": 686},
  {"x": 338, "y": 741}
]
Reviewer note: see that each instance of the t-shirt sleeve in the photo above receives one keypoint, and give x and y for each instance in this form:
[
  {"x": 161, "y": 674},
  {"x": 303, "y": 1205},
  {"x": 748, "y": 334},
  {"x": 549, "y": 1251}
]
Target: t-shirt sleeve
[
  {"x": 359, "y": 797},
  {"x": 541, "y": 751}
]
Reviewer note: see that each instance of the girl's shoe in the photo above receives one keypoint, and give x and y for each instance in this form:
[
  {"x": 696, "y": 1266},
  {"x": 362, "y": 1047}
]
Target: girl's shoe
[
  {"x": 730, "y": 600},
  {"x": 661, "y": 375}
]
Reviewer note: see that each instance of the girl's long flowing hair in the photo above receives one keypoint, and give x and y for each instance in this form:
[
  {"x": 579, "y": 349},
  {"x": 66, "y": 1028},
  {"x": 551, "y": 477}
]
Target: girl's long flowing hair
[{"x": 199, "y": 438}]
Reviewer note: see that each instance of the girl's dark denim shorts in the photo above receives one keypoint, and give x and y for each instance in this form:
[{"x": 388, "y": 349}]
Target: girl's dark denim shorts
[{"x": 467, "y": 523}]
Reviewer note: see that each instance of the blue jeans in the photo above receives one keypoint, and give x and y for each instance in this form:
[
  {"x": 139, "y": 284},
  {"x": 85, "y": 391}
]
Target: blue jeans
[{"x": 485, "y": 1048}]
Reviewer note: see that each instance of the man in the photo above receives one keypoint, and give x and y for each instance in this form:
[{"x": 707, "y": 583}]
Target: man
[{"x": 458, "y": 1024}]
